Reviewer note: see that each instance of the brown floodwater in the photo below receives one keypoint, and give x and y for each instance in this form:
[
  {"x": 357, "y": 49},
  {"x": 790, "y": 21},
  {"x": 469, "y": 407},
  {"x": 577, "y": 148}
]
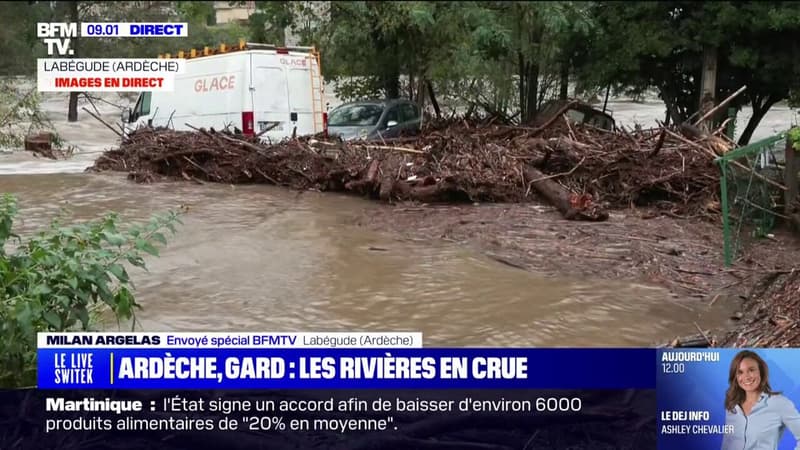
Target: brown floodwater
[{"x": 261, "y": 258}]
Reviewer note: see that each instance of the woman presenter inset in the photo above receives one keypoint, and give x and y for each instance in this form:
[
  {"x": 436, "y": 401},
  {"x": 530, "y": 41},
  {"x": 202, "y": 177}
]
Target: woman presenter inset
[{"x": 758, "y": 414}]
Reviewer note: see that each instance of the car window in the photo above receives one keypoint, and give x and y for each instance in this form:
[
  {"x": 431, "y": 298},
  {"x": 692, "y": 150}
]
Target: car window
[
  {"x": 409, "y": 112},
  {"x": 142, "y": 107},
  {"x": 355, "y": 115},
  {"x": 576, "y": 116},
  {"x": 600, "y": 121},
  {"x": 393, "y": 114}
]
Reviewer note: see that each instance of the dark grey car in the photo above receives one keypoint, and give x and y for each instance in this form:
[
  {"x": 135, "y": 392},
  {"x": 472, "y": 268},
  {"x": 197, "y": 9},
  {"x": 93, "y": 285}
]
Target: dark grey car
[{"x": 373, "y": 120}]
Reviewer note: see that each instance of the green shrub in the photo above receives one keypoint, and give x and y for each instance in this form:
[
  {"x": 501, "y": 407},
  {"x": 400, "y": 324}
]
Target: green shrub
[
  {"x": 794, "y": 136},
  {"x": 55, "y": 279}
]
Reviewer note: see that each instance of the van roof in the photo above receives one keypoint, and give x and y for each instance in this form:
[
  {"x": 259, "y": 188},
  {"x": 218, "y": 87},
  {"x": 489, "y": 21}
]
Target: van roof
[{"x": 242, "y": 46}]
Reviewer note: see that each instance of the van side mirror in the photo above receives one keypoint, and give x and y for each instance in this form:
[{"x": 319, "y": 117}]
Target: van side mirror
[
  {"x": 391, "y": 123},
  {"x": 126, "y": 115}
]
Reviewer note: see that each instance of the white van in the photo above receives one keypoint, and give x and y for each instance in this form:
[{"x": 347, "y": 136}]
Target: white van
[{"x": 251, "y": 87}]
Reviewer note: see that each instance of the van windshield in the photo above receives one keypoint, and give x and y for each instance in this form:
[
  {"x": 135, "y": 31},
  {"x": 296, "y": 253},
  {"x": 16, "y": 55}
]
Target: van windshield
[{"x": 355, "y": 115}]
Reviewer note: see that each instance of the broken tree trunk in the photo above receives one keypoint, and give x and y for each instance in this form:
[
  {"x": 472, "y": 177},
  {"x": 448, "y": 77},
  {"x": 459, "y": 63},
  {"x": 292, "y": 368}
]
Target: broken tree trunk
[
  {"x": 39, "y": 143},
  {"x": 571, "y": 206},
  {"x": 694, "y": 133},
  {"x": 367, "y": 184},
  {"x": 444, "y": 190}
]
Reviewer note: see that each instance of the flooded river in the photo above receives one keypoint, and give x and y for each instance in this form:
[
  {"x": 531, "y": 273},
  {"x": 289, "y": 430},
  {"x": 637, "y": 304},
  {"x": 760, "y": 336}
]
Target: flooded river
[{"x": 260, "y": 258}]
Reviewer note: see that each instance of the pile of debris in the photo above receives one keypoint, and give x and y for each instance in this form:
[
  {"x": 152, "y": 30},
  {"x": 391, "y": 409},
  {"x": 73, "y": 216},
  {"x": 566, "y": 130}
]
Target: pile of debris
[
  {"x": 772, "y": 313},
  {"x": 579, "y": 169}
]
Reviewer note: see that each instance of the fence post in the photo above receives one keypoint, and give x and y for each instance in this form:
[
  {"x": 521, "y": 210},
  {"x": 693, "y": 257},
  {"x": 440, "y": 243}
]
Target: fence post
[
  {"x": 790, "y": 177},
  {"x": 730, "y": 130}
]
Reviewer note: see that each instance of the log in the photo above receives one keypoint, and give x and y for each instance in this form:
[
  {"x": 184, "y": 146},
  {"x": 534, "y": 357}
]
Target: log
[
  {"x": 367, "y": 184},
  {"x": 692, "y": 132},
  {"x": 41, "y": 142},
  {"x": 360, "y": 186},
  {"x": 693, "y": 341},
  {"x": 442, "y": 191},
  {"x": 568, "y": 148},
  {"x": 372, "y": 170},
  {"x": 564, "y": 200},
  {"x": 719, "y": 145},
  {"x": 386, "y": 188}
]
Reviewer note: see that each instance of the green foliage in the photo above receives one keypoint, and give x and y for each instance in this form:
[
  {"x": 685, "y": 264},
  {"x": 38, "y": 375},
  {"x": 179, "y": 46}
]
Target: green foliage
[
  {"x": 358, "y": 88},
  {"x": 268, "y": 23},
  {"x": 19, "y": 45},
  {"x": 794, "y": 137},
  {"x": 661, "y": 45},
  {"x": 54, "y": 280},
  {"x": 196, "y": 13},
  {"x": 20, "y": 113}
]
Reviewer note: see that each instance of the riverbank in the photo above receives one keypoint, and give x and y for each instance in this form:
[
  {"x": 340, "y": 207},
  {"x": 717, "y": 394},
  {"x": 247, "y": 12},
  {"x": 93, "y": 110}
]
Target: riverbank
[{"x": 683, "y": 256}]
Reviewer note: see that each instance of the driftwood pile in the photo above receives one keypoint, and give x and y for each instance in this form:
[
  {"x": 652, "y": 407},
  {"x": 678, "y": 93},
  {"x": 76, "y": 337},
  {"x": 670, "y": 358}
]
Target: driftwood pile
[
  {"x": 771, "y": 314},
  {"x": 580, "y": 170}
]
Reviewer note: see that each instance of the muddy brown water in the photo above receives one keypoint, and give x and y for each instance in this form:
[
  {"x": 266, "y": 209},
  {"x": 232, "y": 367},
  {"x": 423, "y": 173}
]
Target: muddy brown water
[{"x": 261, "y": 258}]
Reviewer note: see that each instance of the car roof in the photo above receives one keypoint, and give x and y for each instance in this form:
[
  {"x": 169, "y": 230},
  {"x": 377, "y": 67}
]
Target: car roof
[{"x": 384, "y": 103}]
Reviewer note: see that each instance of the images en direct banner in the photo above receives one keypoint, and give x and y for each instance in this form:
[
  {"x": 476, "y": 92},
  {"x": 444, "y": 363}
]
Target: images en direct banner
[{"x": 693, "y": 386}]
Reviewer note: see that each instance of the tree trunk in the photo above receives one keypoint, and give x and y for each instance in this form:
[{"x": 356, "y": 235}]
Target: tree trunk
[
  {"x": 571, "y": 206},
  {"x": 391, "y": 84},
  {"x": 759, "y": 111},
  {"x": 564, "y": 75},
  {"x": 72, "y": 111},
  {"x": 672, "y": 111},
  {"x": 432, "y": 97},
  {"x": 533, "y": 90},
  {"x": 421, "y": 93},
  {"x": 709, "y": 76},
  {"x": 523, "y": 114},
  {"x": 389, "y": 66}
]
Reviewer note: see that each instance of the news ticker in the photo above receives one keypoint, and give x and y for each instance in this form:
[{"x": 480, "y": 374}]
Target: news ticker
[
  {"x": 61, "y": 73},
  {"x": 349, "y": 419},
  {"x": 688, "y": 385}
]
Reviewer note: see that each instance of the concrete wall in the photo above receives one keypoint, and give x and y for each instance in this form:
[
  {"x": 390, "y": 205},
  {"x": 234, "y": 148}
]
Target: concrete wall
[{"x": 226, "y": 13}]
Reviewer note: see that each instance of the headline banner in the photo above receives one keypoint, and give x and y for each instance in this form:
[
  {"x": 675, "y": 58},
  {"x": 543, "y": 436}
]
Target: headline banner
[{"x": 428, "y": 368}]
